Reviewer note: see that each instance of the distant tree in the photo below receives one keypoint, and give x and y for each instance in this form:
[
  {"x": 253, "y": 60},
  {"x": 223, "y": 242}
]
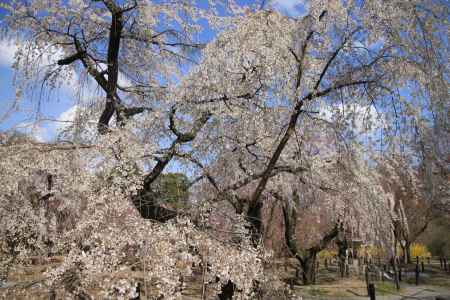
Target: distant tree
[
  {"x": 411, "y": 211},
  {"x": 326, "y": 206},
  {"x": 436, "y": 237},
  {"x": 173, "y": 189},
  {"x": 15, "y": 137}
]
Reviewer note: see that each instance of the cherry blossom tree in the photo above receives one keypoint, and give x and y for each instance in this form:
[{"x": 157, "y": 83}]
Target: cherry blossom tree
[
  {"x": 268, "y": 74},
  {"x": 110, "y": 246},
  {"x": 241, "y": 114},
  {"x": 412, "y": 210},
  {"x": 340, "y": 194}
]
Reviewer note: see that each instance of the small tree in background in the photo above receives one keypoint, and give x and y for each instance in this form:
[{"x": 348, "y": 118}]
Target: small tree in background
[{"x": 172, "y": 189}]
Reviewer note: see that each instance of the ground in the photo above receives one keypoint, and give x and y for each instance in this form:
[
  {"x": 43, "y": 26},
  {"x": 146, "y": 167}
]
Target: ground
[
  {"x": 352, "y": 289},
  {"x": 27, "y": 283},
  {"x": 432, "y": 283}
]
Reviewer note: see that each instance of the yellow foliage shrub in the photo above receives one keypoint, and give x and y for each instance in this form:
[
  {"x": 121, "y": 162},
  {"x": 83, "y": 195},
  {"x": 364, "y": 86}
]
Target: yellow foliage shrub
[
  {"x": 371, "y": 251},
  {"x": 327, "y": 254},
  {"x": 419, "y": 250}
]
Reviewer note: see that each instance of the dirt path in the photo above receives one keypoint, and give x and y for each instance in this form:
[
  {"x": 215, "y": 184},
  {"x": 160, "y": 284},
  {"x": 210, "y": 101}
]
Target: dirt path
[{"x": 406, "y": 293}]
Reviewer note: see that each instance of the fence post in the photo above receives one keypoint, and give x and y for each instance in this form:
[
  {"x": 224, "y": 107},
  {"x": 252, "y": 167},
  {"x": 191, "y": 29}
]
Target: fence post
[
  {"x": 417, "y": 269},
  {"x": 367, "y": 278},
  {"x": 316, "y": 271},
  {"x": 399, "y": 273},
  {"x": 51, "y": 295},
  {"x": 423, "y": 267},
  {"x": 440, "y": 262},
  {"x": 417, "y": 274},
  {"x": 429, "y": 260},
  {"x": 138, "y": 291},
  {"x": 445, "y": 263},
  {"x": 298, "y": 273},
  {"x": 285, "y": 263},
  {"x": 371, "y": 290}
]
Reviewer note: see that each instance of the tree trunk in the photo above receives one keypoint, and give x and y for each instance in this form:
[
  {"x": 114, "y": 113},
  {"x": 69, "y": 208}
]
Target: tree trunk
[
  {"x": 227, "y": 291},
  {"x": 146, "y": 204},
  {"x": 404, "y": 257},
  {"x": 342, "y": 244},
  {"x": 394, "y": 265},
  {"x": 308, "y": 264},
  {"x": 395, "y": 269},
  {"x": 307, "y": 258},
  {"x": 408, "y": 252},
  {"x": 254, "y": 217}
]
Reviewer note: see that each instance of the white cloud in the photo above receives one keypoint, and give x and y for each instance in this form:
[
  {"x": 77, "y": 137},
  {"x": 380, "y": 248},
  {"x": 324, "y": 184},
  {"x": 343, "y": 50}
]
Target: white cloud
[
  {"x": 122, "y": 79},
  {"x": 67, "y": 117},
  {"x": 362, "y": 119},
  {"x": 7, "y": 50},
  {"x": 85, "y": 126},
  {"x": 38, "y": 132},
  {"x": 292, "y": 8}
]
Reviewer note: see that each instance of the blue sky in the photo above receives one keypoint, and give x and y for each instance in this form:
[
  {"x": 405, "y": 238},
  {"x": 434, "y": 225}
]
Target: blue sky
[
  {"x": 22, "y": 116},
  {"x": 59, "y": 105}
]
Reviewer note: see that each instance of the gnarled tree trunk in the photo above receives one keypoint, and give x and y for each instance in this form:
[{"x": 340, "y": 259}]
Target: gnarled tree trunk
[
  {"x": 306, "y": 258},
  {"x": 342, "y": 244},
  {"x": 407, "y": 252},
  {"x": 308, "y": 264}
]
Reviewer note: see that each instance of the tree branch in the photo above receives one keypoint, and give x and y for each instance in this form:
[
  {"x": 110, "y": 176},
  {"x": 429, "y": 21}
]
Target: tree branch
[
  {"x": 181, "y": 138},
  {"x": 72, "y": 58}
]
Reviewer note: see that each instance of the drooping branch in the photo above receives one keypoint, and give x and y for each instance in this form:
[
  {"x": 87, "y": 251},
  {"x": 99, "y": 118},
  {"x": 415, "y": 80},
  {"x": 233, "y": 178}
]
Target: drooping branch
[
  {"x": 297, "y": 110},
  {"x": 200, "y": 165},
  {"x": 91, "y": 68},
  {"x": 273, "y": 160},
  {"x": 145, "y": 200},
  {"x": 188, "y": 136},
  {"x": 323, "y": 243},
  {"x": 151, "y": 40},
  {"x": 332, "y": 58},
  {"x": 275, "y": 171},
  {"x": 180, "y": 139},
  {"x": 290, "y": 129},
  {"x": 290, "y": 225},
  {"x": 222, "y": 190},
  {"x": 306, "y": 257},
  {"x": 225, "y": 98}
]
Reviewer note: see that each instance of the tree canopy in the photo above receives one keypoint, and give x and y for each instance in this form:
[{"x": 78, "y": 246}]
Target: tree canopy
[{"x": 317, "y": 113}]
